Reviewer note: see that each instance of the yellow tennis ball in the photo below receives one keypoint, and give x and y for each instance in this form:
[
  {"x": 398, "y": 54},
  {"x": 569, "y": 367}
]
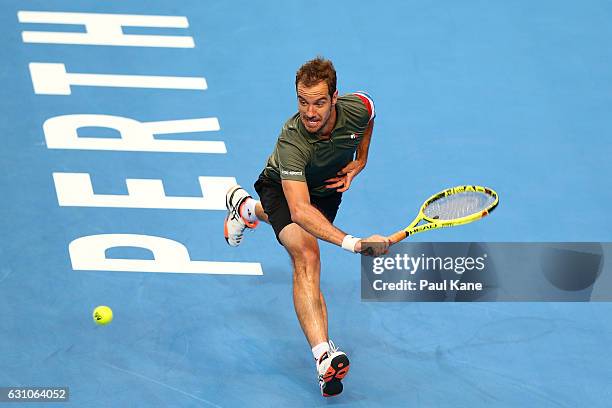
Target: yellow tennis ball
[{"x": 102, "y": 315}]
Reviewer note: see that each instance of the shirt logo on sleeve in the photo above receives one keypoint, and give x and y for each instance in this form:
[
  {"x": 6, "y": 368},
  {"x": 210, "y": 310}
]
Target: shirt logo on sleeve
[{"x": 291, "y": 173}]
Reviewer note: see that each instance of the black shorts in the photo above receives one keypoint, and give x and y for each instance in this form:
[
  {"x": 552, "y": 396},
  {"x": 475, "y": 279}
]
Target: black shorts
[{"x": 275, "y": 204}]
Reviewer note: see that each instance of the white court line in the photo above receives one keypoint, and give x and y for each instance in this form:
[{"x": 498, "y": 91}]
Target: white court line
[{"x": 144, "y": 377}]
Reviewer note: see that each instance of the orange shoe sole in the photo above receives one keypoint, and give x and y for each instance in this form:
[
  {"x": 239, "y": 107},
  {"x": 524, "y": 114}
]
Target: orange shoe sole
[{"x": 338, "y": 369}]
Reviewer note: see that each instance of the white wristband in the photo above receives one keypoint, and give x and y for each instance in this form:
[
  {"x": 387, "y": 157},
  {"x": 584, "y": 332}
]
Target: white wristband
[{"x": 349, "y": 243}]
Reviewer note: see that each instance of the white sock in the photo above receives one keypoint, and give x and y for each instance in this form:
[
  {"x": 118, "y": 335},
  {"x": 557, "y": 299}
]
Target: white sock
[
  {"x": 319, "y": 349},
  {"x": 247, "y": 210}
]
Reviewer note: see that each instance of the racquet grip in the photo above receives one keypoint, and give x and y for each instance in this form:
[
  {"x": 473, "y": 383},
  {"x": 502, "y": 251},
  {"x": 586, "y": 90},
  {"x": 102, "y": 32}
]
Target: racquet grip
[{"x": 397, "y": 237}]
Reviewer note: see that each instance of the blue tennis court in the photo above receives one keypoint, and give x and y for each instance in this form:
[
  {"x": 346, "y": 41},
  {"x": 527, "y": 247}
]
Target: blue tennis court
[{"x": 513, "y": 95}]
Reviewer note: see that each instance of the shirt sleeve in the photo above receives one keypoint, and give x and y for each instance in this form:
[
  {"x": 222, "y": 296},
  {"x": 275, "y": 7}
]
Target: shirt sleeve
[
  {"x": 368, "y": 102},
  {"x": 291, "y": 161}
]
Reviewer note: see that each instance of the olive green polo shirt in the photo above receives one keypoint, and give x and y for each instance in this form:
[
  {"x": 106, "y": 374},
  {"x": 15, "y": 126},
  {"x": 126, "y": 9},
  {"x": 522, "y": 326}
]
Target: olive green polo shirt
[{"x": 300, "y": 155}]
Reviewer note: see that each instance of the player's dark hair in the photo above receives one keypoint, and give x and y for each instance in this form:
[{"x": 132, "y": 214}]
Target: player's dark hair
[{"x": 315, "y": 71}]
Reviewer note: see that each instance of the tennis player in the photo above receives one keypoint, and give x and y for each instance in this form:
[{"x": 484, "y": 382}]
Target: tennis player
[{"x": 320, "y": 151}]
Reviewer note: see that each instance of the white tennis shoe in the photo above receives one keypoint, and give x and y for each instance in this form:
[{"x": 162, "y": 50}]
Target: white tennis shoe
[
  {"x": 235, "y": 224},
  {"x": 332, "y": 367}
]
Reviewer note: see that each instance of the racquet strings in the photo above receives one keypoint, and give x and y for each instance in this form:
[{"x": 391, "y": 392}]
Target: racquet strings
[{"x": 458, "y": 205}]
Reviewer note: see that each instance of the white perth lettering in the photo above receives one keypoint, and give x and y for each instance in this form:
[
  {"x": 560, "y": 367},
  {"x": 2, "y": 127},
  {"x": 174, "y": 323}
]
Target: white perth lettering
[{"x": 62, "y": 132}]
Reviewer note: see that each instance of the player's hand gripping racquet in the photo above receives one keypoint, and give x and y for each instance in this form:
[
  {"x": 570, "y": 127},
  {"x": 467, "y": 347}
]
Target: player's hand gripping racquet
[{"x": 454, "y": 206}]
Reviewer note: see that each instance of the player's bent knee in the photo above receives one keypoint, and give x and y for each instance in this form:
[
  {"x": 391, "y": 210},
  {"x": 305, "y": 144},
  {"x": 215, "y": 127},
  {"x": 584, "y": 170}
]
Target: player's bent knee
[{"x": 308, "y": 257}]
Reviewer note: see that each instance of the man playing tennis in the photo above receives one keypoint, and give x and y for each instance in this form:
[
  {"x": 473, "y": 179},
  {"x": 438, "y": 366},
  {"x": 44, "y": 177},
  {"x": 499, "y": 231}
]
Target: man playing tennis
[{"x": 319, "y": 152}]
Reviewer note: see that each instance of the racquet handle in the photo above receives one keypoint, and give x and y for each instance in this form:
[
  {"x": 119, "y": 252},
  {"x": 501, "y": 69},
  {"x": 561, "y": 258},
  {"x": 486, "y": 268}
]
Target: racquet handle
[{"x": 397, "y": 237}]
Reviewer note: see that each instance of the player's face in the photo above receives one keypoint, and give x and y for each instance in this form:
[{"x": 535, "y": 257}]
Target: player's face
[{"x": 315, "y": 105}]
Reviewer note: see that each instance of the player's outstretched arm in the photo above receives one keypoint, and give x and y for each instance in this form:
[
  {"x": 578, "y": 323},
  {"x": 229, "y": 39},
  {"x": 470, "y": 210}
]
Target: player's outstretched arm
[
  {"x": 307, "y": 216},
  {"x": 312, "y": 220}
]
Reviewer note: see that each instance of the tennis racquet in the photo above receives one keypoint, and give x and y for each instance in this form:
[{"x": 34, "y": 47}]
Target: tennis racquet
[{"x": 453, "y": 206}]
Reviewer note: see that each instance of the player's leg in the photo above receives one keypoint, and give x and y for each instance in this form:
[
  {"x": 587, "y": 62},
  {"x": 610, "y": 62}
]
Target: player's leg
[
  {"x": 332, "y": 364},
  {"x": 329, "y": 207},
  {"x": 324, "y": 311},
  {"x": 308, "y": 301}
]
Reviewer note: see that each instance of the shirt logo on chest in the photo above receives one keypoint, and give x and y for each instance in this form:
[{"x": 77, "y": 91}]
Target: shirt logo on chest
[{"x": 353, "y": 136}]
